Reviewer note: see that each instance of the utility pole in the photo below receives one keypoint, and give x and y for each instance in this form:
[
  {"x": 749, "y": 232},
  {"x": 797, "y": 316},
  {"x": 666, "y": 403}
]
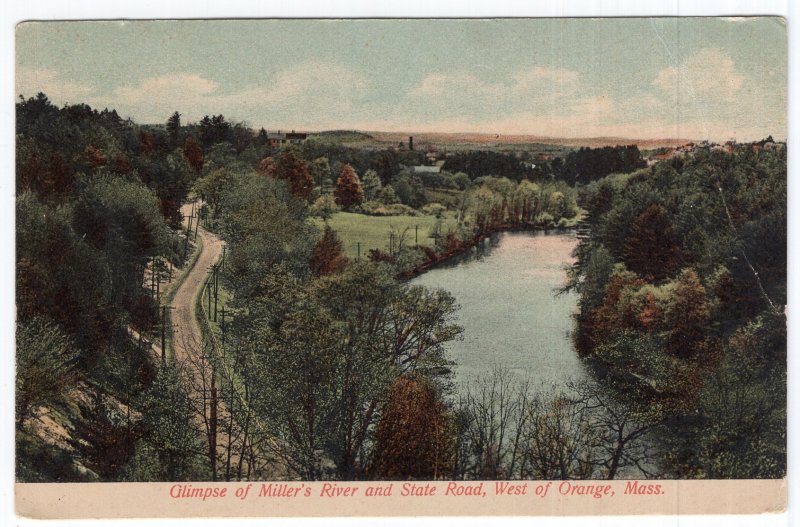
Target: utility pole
[
  {"x": 416, "y": 234},
  {"x": 223, "y": 331},
  {"x": 223, "y": 256},
  {"x": 186, "y": 244},
  {"x": 208, "y": 287},
  {"x": 164, "y": 334},
  {"x": 216, "y": 291},
  {"x": 358, "y": 254},
  {"x": 232, "y": 403},
  {"x": 196, "y": 227},
  {"x": 212, "y": 443}
]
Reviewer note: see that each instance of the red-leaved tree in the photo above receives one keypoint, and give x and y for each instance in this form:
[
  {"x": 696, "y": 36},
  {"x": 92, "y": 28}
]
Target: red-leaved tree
[
  {"x": 327, "y": 256},
  {"x": 348, "y": 190},
  {"x": 290, "y": 167},
  {"x": 193, "y": 154},
  {"x": 415, "y": 436}
]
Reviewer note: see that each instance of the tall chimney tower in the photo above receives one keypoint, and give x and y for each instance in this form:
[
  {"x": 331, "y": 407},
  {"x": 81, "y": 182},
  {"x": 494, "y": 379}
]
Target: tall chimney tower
[{"x": 411, "y": 142}]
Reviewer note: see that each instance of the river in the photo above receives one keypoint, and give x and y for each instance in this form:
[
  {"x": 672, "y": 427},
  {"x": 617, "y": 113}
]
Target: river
[{"x": 511, "y": 316}]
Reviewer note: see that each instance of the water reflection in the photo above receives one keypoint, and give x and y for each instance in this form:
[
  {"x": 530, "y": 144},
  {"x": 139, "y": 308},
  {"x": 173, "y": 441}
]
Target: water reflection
[{"x": 511, "y": 315}]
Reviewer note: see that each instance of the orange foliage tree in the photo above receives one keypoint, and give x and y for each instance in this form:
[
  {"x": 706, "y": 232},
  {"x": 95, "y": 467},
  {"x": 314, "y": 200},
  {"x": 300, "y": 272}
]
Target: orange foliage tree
[
  {"x": 193, "y": 154},
  {"x": 327, "y": 256},
  {"x": 348, "y": 190},
  {"x": 290, "y": 167},
  {"x": 415, "y": 437}
]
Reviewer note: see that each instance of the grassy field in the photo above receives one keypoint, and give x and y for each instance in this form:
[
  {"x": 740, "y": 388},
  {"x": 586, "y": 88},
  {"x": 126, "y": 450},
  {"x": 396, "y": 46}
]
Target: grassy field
[{"x": 372, "y": 232}]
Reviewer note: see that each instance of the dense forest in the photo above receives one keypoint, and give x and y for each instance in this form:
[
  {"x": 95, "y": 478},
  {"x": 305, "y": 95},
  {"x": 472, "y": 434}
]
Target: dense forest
[
  {"x": 682, "y": 279},
  {"x": 326, "y": 365}
]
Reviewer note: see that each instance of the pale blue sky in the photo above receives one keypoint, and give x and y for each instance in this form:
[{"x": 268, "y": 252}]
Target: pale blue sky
[{"x": 637, "y": 78}]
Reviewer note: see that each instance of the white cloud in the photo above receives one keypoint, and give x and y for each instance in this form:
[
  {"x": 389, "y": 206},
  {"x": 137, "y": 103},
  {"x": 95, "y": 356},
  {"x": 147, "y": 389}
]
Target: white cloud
[
  {"x": 321, "y": 79},
  {"x": 532, "y": 83},
  {"x": 709, "y": 73},
  {"x": 308, "y": 89},
  {"x": 178, "y": 86},
  {"x": 30, "y": 81},
  {"x": 687, "y": 100}
]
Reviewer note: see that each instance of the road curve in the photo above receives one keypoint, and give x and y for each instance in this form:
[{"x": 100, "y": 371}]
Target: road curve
[{"x": 186, "y": 331}]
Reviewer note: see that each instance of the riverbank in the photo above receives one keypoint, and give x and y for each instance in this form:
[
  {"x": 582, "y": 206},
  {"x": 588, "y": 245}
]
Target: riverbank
[{"x": 458, "y": 247}]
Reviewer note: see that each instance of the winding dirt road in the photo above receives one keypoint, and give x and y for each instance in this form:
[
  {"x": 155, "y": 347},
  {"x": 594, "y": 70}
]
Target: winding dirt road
[
  {"x": 236, "y": 454},
  {"x": 186, "y": 333}
]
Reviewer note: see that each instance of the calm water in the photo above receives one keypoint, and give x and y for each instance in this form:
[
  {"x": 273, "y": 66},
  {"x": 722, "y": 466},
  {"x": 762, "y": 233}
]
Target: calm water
[{"x": 510, "y": 313}]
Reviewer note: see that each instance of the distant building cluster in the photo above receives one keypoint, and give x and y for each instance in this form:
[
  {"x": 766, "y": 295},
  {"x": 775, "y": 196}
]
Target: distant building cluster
[{"x": 282, "y": 138}]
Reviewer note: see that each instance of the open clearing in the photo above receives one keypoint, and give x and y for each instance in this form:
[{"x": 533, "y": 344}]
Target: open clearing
[{"x": 372, "y": 232}]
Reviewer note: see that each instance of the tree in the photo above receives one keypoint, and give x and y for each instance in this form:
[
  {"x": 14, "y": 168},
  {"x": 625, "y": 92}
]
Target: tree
[
  {"x": 95, "y": 157},
  {"x": 415, "y": 437},
  {"x": 410, "y": 191},
  {"x": 327, "y": 256},
  {"x": 215, "y": 129},
  {"x": 193, "y": 154},
  {"x": 241, "y": 137},
  {"x": 266, "y": 167},
  {"x": 461, "y": 180},
  {"x": 169, "y": 431},
  {"x": 325, "y": 206},
  {"x": 121, "y": 218},
  {"x": 652, "y": 249},
  {"x": 174, "y": 128},
  {"x": 688, "y": 314},
  {"x": 327, "y": 386},
  {"x": 508, "y": 432},
  {"x": 105, "y": 439},
  {"x": 61, "y": 277},
  {"x": 320, "y": 171},
  {"x": 348, "y": 190},
  {"x": 386, "y": 195},
  {"x": 46, "y": 360},
  {"x": 290, "y": 167},
  {"x": 488, "y": 410},
  {"x": 212, "y": 187},
  {"x": 371, "y": 185}
]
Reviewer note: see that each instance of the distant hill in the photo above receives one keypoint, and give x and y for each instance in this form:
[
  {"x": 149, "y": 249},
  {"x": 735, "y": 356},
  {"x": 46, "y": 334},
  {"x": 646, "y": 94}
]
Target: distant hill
[
  {"x": 502, "y": 139},
  {"x": 477, "y": 141},
  {"x": 342, "y": 136}
]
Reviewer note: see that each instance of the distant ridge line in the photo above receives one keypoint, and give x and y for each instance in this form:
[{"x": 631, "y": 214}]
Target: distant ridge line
[{"x": 487, "y": 138}]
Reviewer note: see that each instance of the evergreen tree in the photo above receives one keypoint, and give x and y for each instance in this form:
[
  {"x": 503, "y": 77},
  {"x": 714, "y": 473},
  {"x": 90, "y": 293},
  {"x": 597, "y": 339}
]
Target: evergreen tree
[{"x": 174, "y": 128}]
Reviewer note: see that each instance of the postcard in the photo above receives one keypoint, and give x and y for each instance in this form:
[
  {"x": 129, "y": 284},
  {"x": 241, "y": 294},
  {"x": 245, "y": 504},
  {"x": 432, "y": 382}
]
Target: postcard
[{"x": 401, "y": 267}]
